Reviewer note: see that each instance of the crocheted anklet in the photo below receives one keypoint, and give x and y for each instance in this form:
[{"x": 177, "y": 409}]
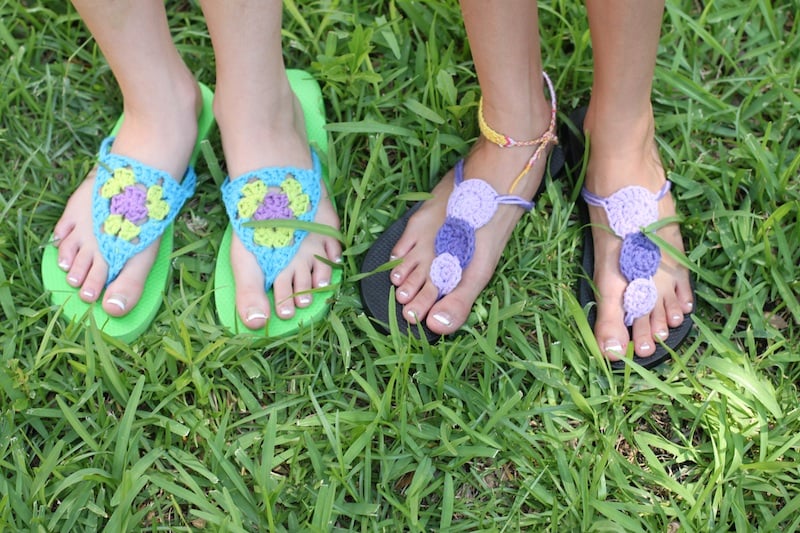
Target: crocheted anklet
[
  {"x": 473, "y": 203},
  {"x": 629, "y": 210}
]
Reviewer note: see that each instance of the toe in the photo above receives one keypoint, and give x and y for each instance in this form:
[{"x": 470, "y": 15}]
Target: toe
[
  {"x": 643, "y": 344},
  {"x": 417, "y": 309},
  {"x": 124, "y": 293},
  {"x": 413, "y": 283},
  {"x": 79, "y": 268},
  {"x": 451, "y": 312},
  {"x": 283, "y": 291},
  {"x": 94, "y": 281},
  {"x": 302, "y": 286},
  {"x": 251, "y": 300},
  {"x": 658, "y": 323}
]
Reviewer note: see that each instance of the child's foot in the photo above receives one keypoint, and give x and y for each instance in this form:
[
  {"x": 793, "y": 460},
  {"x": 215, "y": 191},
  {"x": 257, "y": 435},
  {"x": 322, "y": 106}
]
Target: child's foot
[
  {"x": 499, "y": 167},
  {"x": 160, "y": 134},
  {"x": 620, "y": 157},
  {"x": 270, "y": 132}
]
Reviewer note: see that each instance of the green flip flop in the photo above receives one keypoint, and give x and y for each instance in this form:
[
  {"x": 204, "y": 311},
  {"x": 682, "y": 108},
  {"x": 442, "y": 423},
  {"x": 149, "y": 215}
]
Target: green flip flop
[
  {"x": 120, "y": 239},
  {"x": 299, "y": 189}
]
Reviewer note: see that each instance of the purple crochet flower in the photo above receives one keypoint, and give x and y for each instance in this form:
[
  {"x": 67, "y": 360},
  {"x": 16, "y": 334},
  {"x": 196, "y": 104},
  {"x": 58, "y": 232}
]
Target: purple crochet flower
[
  {"x": 474, "y": 201},
  {"x": 639, "y": 299},
  {"x": 275, "y": 205},
  {"x": 639, "y": 257},
  {"x": 445, "y": 273},
  {"x": 457, "y": 238},
  {"x": 630, "y": 209},
  {"x": 131, "y": 203}
]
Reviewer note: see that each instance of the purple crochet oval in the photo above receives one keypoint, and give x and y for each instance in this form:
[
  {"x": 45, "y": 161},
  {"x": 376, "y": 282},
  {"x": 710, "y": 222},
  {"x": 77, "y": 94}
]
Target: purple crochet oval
[
  {"x": 630, "y": 209},
  {"x": 473, "y": 200},
  {"x": 639, "y": 257},
  {"x": 456, "y": 238},
  {"x": 445, "y": 273},
  {"x": 131, "y": 203},
  {"x": 639, "y": 299},
  {"x": 275, "y": 205}
]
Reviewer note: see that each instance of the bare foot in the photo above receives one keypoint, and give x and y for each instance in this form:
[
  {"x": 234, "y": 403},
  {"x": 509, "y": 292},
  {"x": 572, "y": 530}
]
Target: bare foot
[
  {"x": 619, "y": 159},
  {"x": 272, "y": 134},
  {"x": 499, "y": 167},
  {"x": 161, "y": 135}
]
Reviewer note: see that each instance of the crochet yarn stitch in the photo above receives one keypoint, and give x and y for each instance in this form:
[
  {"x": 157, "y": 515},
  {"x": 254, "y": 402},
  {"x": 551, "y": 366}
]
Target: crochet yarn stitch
[
  {"x": 274, "y": 193},
  {"x": 132, "y": 204},
  {"x": 629, "y": 210}
]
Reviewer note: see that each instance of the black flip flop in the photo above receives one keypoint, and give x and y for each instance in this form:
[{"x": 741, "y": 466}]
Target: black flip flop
[
  {"x": 574, "y": 147},
  {"x": 376, "y": 288}
]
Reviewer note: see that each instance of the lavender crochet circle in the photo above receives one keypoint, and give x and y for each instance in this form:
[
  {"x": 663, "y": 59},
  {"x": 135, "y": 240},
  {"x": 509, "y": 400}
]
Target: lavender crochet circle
[
  {"x": 457, "y": 238},
  {"x": 473, "y": 200},
  {"x": 639, "y": 257},
  {"x": 131, "y": 203},
  {"x": 275, "y": 205},
  {"x": 630, "y": 209},
  {"x": 639, "y": 299},
  {"x": 445, "y": 273}
]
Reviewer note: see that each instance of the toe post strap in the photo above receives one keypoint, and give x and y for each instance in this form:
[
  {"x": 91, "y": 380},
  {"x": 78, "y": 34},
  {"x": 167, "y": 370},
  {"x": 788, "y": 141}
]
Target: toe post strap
[
  {"x": 629, "y": 210},
  {"x": 132, "y": 205},
  {"x": 271, "y": 194}
]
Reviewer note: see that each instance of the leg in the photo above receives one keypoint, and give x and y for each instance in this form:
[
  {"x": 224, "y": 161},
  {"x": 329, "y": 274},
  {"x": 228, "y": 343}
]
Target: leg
[
  {"x": 511, "y": 80},
  {"x": 161, "y": 102},
  {"x": 620, "y": 121},
  {"x": 262, "y": 125}
]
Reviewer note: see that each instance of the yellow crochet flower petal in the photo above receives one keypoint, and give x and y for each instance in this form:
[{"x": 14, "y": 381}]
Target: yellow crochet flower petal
[
  {"x": 247, "y": 206},
  {"x": 129, "y": 230},
  {"x": 291, "y": 186},
  {"x": 299, "y": 204},
  {"x": 113, "y": 224},
  {"x": 158, "y": 210},
  {"x": 122, "y": 177},
  {"x": 155, "y": 193},
  {"x": 273, "y": 237},
  {"x": 255, "y": 189}
]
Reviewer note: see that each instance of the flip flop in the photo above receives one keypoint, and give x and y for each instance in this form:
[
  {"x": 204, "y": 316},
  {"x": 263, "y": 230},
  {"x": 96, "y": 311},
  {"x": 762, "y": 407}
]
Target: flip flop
[
  {"x": 574, "y": 146},
  {"x": 376, "y": 288},
  {"x": 120, "y": 239},
  {"x": 277, "y": 250}
]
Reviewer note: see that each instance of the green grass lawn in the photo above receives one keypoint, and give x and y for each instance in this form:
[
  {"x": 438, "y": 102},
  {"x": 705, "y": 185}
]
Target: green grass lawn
[{"x": 513, "y": 425}]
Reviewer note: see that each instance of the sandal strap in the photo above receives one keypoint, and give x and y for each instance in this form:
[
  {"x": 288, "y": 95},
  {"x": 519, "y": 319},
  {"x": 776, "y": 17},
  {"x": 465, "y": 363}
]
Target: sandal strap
[
  {"x": 273, "y": 193},
  {"x": 132, "y": 205},
  {"x": 505, "y": 141},
  {"x": 629, "y": 210}
]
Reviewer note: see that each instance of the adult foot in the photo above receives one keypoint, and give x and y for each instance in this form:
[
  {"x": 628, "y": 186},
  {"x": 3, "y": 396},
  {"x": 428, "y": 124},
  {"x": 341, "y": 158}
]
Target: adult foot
[
  {"x": 620, "y": 156},
  {"x": 499, "y": 167},
  {"x": 270, "y": 132},
  {"x": 160, "y": 132}
]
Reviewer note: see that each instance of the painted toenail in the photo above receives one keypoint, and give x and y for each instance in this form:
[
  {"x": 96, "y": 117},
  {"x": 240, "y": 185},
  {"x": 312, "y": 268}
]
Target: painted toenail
[
  {"x": 662, "y": 334},
  {"x": 689, "y": 305},
  {"x": 612, "y": 345},
  {"x": 304, "y": 299},
  {"x": 255, "y": 314},
  {"x": 338, "y": 260},
  {"x": 402, "y": 293},
  {"x": 412, "y": 315},
  {"x": 73, "y": 280},
  {"x": 117, "y": 300},
  {"x": 677, "y": 317},
  {"x": 323, "y": 283},
  {"x": 63, "y": 264},
  {"x": 87, "y": 293},
  {"x": 396, "y": 276},
  {"x": 393, "y": 257},
  {"x": 443, "y": 319},
  {"x": 283, "y": 311},
  {"x": 644, "y": 346}
]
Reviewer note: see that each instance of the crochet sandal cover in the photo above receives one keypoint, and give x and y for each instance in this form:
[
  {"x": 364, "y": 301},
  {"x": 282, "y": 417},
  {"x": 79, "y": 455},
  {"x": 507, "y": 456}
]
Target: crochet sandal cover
[
  {"x": 629, "y": 210},
  {"x": 470, "y": 206},
  {"x": 132, "y": 206},
  {"x": 282, "y": 193}
]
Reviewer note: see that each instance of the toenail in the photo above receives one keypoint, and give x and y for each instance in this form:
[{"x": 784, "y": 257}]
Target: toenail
[
  {"x": 284, "y": 311},
  {"x": 87, "y": 293},
  {"x": 412, "y": 315},
  {"x": 304, "y": 299},
  {"x": 63, "y": 264},
  {"x": 443, "y": 319},
  {"x": 73, "y": 280},
  {"x": 338, "y": 260},
  {"x": 255, "y": 314},
  {"x": 612, "y": 345},
  {"x": 392, "y": 257},
  {"x": 323, "y": 283},
  {"x": 677, "y": 317},
  {"x": 402, "y": 293},
  {"x": 396, "y": 276},
  {"x": 117, "y": 300},
  {"x": 662, "y": 334},
  {"x": 644, "y": 346},
  {"x": 689, "y": 305}
]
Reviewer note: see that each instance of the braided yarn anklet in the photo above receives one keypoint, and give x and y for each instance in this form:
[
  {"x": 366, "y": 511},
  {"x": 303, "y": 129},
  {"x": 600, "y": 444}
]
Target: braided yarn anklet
[
  {"x": 629, "y": 210},
  {"x": 473, "y": 203}
]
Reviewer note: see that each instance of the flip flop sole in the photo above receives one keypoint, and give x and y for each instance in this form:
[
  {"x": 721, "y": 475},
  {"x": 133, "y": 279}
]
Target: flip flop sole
[
  {"x": 129, "y": 327},
  {"x": 376, "y": 288},
  {"x": 309, "y": 94}
]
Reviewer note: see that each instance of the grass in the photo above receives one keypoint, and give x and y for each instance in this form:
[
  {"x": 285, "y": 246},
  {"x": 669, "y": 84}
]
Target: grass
[{"x": 517, "y": 424}]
